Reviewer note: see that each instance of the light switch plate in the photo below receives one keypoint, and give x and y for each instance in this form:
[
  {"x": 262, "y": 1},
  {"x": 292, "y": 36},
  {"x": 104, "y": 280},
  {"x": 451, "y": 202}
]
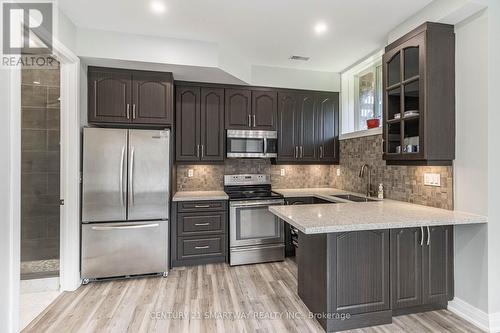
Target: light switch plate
[
  {"x": 432, "y": 179},
  {"x": 282, "y": 172},
  {"x": 190, "y": 173},
  {"x": 338, "y": 172}
]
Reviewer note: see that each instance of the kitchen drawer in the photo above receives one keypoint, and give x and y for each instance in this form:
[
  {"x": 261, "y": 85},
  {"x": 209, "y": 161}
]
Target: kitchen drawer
[
  {"x": 189, "y": 248},
  {"x": 198, "y": 206},
  {"x": 196, "y": 223}
]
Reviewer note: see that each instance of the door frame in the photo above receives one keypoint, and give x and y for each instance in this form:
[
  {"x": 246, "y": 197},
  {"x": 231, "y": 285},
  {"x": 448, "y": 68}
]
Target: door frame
[{"x": 69, "y": 187}]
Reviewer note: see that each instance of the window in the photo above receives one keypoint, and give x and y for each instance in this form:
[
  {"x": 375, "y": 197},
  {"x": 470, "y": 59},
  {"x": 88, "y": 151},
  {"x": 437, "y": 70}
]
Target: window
[
  {"x": 361, "y": 96},
  {"x": 368, "y": 97}
]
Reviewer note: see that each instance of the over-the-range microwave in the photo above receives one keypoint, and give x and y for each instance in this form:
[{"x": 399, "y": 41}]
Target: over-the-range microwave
[{"x": 251, "y": 144}]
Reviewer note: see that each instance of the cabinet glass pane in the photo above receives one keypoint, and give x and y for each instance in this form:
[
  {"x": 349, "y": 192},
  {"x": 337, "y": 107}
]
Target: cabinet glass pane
[
  {"x": 394, "y": 138},
  {"x": 412, "y": 97},
  {"x": 393, "y": 102},
  {"x": 411, "y": 142},
  {"x": 410, "y": 62},
  {"x": 394, "y": 70}
]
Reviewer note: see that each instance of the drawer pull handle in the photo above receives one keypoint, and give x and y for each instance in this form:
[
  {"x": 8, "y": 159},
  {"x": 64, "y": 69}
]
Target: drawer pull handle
[
  {"x": 201, "y": 224},
  {"x": 201, "y": 206},
  {"x": 202, "y": 247}
]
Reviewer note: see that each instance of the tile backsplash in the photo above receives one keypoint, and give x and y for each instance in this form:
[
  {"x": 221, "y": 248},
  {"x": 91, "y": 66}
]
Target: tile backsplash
[
  {"x": 404, "y": 183},
  {"x": 211, "y": 177}
]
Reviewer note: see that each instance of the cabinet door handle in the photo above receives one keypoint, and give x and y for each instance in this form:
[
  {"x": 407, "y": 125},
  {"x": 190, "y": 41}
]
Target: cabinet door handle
[
  {"x": 296, "y": 151},
  {"x": 133, "y": 111},
  {"x": 320, "y": 151},
  {"x": 201, "y": 224},
  {"x": 198, "y": 151},
  {"x": 254, "y": 122},
  {"x": 202, "y": 247},
  {"x": 128, "y": 111},
  {"x": 249, "y": 121},
  {"x": 428, "y": 235},
  {"x": 301, "y": 151},
  {"x": 202, "y": 149},
  {"x": 201, "y": 206},
  {"x": 422, "y": 236}
]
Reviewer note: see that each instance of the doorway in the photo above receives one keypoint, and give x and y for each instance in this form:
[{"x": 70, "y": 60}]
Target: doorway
[{"x": 40, "y": 187}]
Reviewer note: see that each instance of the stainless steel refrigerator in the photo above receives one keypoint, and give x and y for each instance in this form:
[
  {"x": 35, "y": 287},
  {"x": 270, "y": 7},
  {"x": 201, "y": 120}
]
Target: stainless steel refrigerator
[{"x": 125, "y": 202}]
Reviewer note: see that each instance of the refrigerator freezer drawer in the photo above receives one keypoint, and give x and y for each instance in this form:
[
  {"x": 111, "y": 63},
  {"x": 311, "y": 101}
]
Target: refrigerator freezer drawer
[{"x": 122, "y": 249}]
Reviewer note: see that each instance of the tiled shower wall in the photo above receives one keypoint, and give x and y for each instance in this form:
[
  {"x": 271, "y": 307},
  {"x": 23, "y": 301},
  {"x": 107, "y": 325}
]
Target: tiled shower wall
[
  {"x": 404, "y": 183},
  {"x": 40, "y": 114}
]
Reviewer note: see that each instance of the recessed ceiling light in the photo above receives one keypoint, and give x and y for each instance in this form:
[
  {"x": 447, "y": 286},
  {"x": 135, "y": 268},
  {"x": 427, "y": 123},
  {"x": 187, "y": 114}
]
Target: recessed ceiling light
[
  {"x": 320, "y": 28},
  {"x": 158, "y": 7}
]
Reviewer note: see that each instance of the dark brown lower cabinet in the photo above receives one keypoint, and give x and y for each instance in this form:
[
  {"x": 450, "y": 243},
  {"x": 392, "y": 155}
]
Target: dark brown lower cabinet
[
  {"x": 362, "y": 278},
  {"x": 199, "y": 232},
  {"x": 421, "y": 268},
  {"x": 343, "y": 278}
]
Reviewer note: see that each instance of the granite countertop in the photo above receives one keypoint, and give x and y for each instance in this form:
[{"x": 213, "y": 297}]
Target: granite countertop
[
  {"x": 351, "y": 216},
  {"x": 200, "y": 195},
  {"x": 323, "y": 193}
]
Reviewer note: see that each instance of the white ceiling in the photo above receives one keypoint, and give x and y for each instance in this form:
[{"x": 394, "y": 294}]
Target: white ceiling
[{"x": 263, "y": 32}]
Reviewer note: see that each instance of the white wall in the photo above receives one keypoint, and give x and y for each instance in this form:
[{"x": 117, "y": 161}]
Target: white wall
[
  {"x": 295, "y": 78},
  {"x": 471, "y": 163},
  {"x": 192, "y": 61},
  {"x": 494, "y": 163},
  {"x": 65, "y": 30},
  {"x": 113, "y": 45},
  {"x": 443, "y": 11}
]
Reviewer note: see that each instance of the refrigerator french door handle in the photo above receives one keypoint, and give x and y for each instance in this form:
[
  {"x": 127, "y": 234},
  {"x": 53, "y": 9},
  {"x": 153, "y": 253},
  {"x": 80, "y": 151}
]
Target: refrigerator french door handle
[
  {"x": 131, "y": 177},
  {"x": 122, "y": 162},
  {"x": 123, "y": 227}
]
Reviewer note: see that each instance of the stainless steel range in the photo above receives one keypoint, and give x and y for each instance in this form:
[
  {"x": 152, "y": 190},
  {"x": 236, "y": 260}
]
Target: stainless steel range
[{"x": 256, "y": 235}]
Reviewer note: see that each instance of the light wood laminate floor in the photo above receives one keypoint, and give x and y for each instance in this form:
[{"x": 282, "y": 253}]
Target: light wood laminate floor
[{"x": 180, "y": 303}]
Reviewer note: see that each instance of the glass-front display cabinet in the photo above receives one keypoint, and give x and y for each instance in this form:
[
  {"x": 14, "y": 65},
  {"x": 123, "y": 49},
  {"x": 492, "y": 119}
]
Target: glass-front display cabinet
[{"x": 419, "y": 97}]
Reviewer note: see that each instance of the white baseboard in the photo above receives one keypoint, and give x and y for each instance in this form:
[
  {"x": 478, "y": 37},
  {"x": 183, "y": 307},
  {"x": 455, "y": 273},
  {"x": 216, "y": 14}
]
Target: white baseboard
[
  {"x": 495, "y": 322},
  {"x": 486, "y": 322},
  {"x": 39, "y": 285}
]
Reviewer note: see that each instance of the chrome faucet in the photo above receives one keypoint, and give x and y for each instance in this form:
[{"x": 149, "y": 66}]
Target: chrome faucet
[{"x": 365, "y": 167}]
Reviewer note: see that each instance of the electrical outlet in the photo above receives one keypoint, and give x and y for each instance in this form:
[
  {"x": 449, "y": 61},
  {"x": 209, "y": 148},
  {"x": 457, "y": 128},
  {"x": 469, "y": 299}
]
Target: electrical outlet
[
  {"x": 190, "y": 173},
  {"x": 282, "y": 172},
  {"x": 338, "y": 172},
  {"x": 432, "y": 179}
]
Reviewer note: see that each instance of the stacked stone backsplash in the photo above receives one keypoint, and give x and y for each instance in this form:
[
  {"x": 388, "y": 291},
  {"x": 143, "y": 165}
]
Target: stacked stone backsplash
[
  {"x": 211, "y": 177},
  {"x": 404, "y": 183}
]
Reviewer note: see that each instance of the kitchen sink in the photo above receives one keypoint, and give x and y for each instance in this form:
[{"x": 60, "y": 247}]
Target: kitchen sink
[{"x": 353, "y": 198}]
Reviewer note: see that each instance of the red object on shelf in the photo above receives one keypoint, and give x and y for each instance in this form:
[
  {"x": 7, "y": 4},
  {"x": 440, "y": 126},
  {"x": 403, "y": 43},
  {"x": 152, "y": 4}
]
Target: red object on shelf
[{"x": 373, "y": 123}]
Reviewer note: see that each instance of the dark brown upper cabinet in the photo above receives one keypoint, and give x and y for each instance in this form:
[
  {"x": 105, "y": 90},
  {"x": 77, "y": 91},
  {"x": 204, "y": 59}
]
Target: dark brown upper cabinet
[
  {"x": 238, "y": 109},
  {"x": 419, "y": 97},
  {"x": 421, "y": 266},
  {"x": 109, "y": 95},
  {"x": 212, "y": 124},
  {"x": 328, "y": 127},
  {"x": 264, "y": 107},
  {"x": 308, "y": 131},
  {"x": 199, "y": 124},
  {"x": 288, "y": 127},
  {"x": 308, "y": 127},
  {"x": 118, "y": 96},
  {"x": 250, "y": 109},
  {"x": 152, "y": 98}
]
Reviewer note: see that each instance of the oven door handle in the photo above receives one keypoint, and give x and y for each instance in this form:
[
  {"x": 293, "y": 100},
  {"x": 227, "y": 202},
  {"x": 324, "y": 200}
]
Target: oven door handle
[{"x": 258, "y": 204}]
